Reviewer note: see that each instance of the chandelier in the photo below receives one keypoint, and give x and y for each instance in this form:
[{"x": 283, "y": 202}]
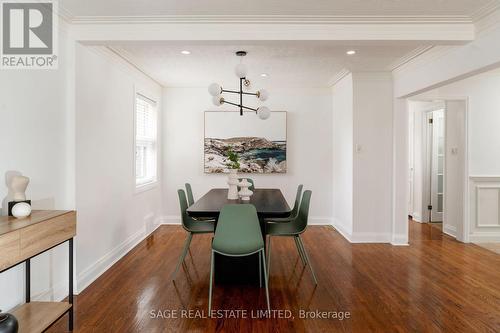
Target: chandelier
[{"x": 216, "y": 91}]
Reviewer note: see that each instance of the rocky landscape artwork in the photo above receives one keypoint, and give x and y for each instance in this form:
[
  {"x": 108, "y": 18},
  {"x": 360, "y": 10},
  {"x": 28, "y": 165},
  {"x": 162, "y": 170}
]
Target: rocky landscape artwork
[{"x": 260, "y": 144}]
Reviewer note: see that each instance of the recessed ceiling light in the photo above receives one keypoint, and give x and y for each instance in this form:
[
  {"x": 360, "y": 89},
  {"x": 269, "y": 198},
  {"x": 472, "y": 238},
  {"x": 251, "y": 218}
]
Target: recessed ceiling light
[
  {"x": 264, "y": 75},
  {"x": 186, "y": 52},
  {"x": 351, "y": 52}
]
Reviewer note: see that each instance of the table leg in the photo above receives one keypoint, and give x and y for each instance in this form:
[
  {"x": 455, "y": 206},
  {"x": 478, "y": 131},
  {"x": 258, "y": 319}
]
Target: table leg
[
  {"x": 27, "y": 270},
  {"x": 70, "y": 284}
]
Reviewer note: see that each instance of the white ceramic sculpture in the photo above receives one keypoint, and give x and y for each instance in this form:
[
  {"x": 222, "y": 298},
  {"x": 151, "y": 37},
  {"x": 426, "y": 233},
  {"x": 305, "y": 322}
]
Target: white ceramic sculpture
[
  {"x": 245, "y": 193},
  {"x": 232, "y": 181},
  {"x": 21, "y": 209},
  {"x": 18, "y": 186}
]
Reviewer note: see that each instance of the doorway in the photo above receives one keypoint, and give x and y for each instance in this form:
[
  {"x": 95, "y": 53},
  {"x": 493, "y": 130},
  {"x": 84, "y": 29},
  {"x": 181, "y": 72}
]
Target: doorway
[
  {"x": 437, "y": 164},
  {"x": 434, "y": 165}
]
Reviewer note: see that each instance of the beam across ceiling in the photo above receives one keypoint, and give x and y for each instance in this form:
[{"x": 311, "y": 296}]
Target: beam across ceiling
[{"x": 390, "y": 31}]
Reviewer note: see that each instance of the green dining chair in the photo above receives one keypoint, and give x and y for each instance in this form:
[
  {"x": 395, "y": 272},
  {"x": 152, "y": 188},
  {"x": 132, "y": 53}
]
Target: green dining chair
[
  {"x": 238, "y": 234},
  {"x": 189, "y": 193},
  {"x": 292, "y": 227},
  {"x": 192, "y": 226},
  {"x": 295, "y": 209},
  {"x": 250, "y": 180},
  {"x": 190, "y": 199}
]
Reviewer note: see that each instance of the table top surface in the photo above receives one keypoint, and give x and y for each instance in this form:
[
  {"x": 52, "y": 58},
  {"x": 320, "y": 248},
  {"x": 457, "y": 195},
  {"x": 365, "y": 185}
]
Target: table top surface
[
  {"x": 268, "y": 202},
  {"x": 10, "y": 223}
]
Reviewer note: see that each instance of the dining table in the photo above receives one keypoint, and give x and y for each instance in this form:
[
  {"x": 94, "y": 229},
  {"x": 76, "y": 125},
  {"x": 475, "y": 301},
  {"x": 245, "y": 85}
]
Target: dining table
[{"x": 269, "y": 203}]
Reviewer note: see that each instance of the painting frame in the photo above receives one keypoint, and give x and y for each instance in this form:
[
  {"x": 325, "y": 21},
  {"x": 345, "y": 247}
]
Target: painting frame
[{"x": 206, "y": 169}]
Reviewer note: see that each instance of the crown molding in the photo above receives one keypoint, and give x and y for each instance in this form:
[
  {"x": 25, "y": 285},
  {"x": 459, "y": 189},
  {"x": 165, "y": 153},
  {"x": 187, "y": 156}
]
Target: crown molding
[
  {"x": 278, "y": 19},
  {"x": 339, "y": 76},
  {"x": 485, "y": 11},
  {"x": 409, "y": 57},
  {"x": 489, "y": 20},
  {"x": 132, "y": 61}
]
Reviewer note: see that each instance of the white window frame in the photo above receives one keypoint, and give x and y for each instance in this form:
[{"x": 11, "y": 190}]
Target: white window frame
[{"x": 151, "y": 182}]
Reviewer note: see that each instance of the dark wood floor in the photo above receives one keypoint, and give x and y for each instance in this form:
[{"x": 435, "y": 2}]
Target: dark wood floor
[{"x": 434, "y": 285}]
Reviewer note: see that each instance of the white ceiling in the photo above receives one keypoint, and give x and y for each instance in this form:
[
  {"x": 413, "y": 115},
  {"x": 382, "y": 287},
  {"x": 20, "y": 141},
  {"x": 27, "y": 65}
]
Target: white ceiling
[
  {"x": 287, "y": 63},
  {"x": 275, "y": 7}
]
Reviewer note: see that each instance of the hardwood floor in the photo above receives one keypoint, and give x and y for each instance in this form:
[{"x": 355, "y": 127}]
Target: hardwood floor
[{"x": 434, "y": 285}]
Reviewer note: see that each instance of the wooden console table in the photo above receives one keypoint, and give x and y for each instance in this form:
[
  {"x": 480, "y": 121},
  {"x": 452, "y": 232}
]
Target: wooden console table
[{"x": 23, "y": 239}]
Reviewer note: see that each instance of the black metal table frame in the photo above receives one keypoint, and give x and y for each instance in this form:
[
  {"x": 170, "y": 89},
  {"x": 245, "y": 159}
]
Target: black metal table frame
[{"x": 27, "y": 281}]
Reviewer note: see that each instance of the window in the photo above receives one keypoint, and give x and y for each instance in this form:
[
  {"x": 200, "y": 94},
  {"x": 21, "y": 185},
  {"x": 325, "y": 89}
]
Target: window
[{"x": 145, "y": 140}]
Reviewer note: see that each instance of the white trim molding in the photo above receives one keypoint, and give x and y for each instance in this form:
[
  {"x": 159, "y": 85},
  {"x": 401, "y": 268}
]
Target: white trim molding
[
  {"x": 368, "y": 237},
  {"x": 400, "y": 240},
  {"x": 280, "y": 19},
  {"x": 484, "y": 208},
  {"x": 313, "y": 220},
  {"x": 91, "y": 273}
]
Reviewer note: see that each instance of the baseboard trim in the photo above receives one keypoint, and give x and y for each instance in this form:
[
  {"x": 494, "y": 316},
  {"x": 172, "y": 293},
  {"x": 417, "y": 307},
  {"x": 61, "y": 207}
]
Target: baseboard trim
[
  {"x": 362, "y": 237},
  {"x": 176, "y": 220},
  {"x": 91, "y": 273},
  {"x": 340, "y": 229},
  {"x": 370, "y": 237},
  {"x": 484, "y": 237},
  {"x": 450, "y": 230},
  {"x": 400, "y": 240},
  {"x": 315, "y": 220},
  {"x": 55, "y": 293},
  {"x": 417, "y": 218}
]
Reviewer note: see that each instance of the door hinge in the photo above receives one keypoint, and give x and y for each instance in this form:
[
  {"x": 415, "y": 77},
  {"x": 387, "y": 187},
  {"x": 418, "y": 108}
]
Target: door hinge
[
  {"x": 431, "y": 121},
  {"x": 429, "y": 207}
]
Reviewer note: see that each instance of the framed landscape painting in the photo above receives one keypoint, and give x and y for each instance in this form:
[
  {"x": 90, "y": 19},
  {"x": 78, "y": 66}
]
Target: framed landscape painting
[{"x": 260, "y": 144}]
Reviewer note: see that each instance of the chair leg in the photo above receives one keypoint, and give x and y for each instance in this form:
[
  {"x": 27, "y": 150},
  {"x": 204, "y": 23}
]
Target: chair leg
[
  {"x": 268, "y": 259},
  {"x": 210, "y": 287},
  {"x": 183, "y": 255},
  {"x": 265, "y": 280},
  {"x": 299, "y": 250},
  {"x": 260, "y": 272},
  {"x": 307, "y": 259}
]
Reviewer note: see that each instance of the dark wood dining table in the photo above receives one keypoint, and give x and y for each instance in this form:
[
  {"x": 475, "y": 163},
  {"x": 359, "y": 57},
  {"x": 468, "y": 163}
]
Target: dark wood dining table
[{"x": 268, "y": 203}]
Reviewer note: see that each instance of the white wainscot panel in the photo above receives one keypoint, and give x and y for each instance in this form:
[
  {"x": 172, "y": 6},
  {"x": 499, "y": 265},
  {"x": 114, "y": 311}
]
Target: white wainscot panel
[{"x": 485, "y": 208}]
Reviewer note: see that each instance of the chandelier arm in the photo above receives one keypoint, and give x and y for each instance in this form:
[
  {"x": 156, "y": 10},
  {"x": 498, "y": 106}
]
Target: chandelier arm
[
  {"x": 240, "y": 106},
  {"x": 239, "y": 92},
  {"x": 230, "y": 91}
]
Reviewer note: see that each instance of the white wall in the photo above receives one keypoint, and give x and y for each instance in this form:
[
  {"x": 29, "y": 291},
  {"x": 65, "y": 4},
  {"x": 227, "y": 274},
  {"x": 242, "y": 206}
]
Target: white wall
[
  {"x": 455, "y": 186},
  {"x": 111, "y": 216},
  {"x": 362, "y": 172},
  {"x": 309, "y": 146},
  {"x": 343, "y": 154},
  {"x": 372, "y": 168},
  {"x": 35, "y": 142}
]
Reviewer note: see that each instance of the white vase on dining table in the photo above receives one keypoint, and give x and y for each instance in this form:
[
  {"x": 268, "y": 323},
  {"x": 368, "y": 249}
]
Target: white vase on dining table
[
  {"x": 245, "y": 193},
  {"x": 232, "y": 181}
]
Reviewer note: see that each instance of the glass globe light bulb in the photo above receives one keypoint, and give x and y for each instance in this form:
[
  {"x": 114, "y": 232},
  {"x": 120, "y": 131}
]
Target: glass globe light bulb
[
  {"x": 214, "y": 89},
  {"x": 263, "y": 112},
  {"x": 263, "y": 95},
  {"x": 241, "y": 71}
]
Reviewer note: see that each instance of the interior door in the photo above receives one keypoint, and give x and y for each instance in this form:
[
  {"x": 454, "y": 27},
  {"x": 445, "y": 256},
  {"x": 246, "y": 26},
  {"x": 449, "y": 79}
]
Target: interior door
[
  {"x": 437, "y": 165},
  {"x": 411, "y": 163}
]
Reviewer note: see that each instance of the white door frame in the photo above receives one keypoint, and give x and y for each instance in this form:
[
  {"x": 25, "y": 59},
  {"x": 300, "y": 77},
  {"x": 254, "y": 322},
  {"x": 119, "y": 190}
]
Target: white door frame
[{"x": 462, "y": 233}]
